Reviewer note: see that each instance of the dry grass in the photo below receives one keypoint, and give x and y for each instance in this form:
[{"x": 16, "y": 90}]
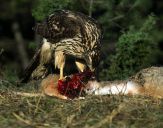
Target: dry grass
[{"x": 93, "y": 111}]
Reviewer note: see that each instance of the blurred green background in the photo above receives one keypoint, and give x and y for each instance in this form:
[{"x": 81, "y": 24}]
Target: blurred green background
[{"x": 132, "y": 33}]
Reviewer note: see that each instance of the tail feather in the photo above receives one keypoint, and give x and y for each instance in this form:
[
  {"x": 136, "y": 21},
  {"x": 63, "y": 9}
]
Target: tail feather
[{"x": 31, "y": 67}]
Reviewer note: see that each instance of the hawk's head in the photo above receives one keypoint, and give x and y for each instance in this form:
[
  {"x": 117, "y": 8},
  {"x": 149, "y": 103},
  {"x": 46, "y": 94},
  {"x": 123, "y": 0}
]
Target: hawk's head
[{"x": 59, "y": 25}]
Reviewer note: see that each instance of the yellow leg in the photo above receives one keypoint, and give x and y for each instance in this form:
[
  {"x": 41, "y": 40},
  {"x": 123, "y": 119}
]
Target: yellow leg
[
  {"x": 61, "y": 73},
  {"x": 60, "y": 62}
]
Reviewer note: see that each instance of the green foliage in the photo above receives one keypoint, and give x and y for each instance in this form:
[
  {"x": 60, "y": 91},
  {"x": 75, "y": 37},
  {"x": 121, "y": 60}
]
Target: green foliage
[
  {"x": 135, "y": 50},
  {"x": 44, "y": 8}
]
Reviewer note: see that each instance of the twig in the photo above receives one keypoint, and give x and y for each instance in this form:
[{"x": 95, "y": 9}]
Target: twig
[
  {"x": 5, "y": 81},
  {"x": 37, "y": 105},
  {"x": 22, "y": 120},
  {"x": 26, "y": 94},
  {"x": 28, "y": 122},
  {"x": 108, "y": 119}
]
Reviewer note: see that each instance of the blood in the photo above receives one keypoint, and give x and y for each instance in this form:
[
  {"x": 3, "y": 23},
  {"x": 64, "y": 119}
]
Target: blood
[{"x": 73, "y": 86}]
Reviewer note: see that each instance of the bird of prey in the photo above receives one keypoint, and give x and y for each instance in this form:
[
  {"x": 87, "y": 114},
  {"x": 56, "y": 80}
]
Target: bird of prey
[{"x": 66, "y": 33}]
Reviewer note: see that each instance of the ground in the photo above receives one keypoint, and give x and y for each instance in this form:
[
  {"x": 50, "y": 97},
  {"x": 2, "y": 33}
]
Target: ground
[{"x": 93, "y": 111}]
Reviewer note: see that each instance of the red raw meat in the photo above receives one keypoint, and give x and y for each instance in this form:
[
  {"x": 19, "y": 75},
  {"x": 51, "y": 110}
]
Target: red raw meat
[{"x": 73, "y": 86}]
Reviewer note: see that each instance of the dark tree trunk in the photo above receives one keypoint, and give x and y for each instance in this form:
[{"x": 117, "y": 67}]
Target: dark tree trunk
[
  {"x": 90, "y": 8},
  {"x": 20, "y": 44}
]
